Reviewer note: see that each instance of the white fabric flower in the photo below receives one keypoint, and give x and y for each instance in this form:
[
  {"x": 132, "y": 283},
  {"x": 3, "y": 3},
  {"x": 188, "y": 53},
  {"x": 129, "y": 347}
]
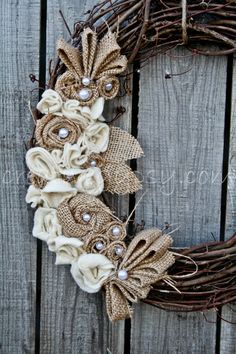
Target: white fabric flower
[
  {"x": 46, "y": 224},
  {"x": 91, "y": 270},
  {"x": 90, "y": 181},
  {"x": 53, "y": 194},
  {"x": 95, "y": 137},
  {"x": 83, "y": 115},
  {"x": 34, "y": 196},
  {"x": 95, "y": 111},
  {"x": 71, "y": 109},
  {"x": 51, "y": 102},
  {"x": 67, "y": 249},
  {"x": 41, "y": 163},
  {"x": 70, "y": 159}
]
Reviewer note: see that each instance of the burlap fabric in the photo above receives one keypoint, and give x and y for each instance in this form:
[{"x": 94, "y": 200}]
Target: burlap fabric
[
  {"x": 146, "y": 261},
  {"x": 37, "y": 181},
  {"x": 109, "y": 249},
  {"x": 47, "y": 132},
  {"x": 98, "y": 61},
  {"x": 70, "y": 214},
  {"x": 117, "y": 175}
]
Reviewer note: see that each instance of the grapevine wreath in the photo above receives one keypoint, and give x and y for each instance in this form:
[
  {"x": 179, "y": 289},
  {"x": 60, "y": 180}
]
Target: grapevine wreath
[{"x": 76, "y": 156}]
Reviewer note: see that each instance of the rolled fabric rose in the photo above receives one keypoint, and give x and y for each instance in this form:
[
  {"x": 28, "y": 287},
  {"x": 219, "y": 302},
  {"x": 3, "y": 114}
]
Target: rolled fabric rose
[
  {"x": 71, "y": 159},
  {"x": 52, "y": 132},
  {"x": 46, "y": 224},
  {"x": 51, "y": 102},
  {"x": 53, "y": 194},
  {"x": 70, "y": 86},
  {"x": 115, "y": 251},
  {"x": 90, "y": 271},
  {"x": 72, "y": 110},
  {"x": 95, "y": 111},
  {"x": 95, "y": 137},
  {"x": 96, "y": 243},
  {"x": 41, "y": 163},
  {"x": 83, "y": 215},
  {"x": 116, "y": 230},
  {"x": 67, "y": 249},
  {"x": 90, "y": 181},
  {"x": 108, "y": 87}
]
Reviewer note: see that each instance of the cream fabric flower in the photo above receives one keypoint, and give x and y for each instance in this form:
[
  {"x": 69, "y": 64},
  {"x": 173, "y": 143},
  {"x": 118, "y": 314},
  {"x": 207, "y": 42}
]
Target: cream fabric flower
[
  {"x": 91, "y": 270},
  {"x": 90, "y": 181},
  {"x": 34, "y": 196},
  {"x": 83, "y": 115},
  {"x": 67, "y": 249},
  {"x": 51, "y": 102},
  {"x": 41, "y": 163},
  {"x": 95, "y": 137},
  {"x": 53, "y": 194},
  {"x": 70, "y": 159},
  {"x": 46, "y": 224},
  {"x": 95, "y": 111}
]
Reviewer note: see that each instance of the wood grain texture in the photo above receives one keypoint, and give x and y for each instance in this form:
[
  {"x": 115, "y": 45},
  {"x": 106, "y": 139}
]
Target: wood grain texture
[
  {"x": 19, "y": 42},
  {"x": 228, "y": 336},
  {"x": 181, "y": 128},
  {"x": 72, "y": 320}
]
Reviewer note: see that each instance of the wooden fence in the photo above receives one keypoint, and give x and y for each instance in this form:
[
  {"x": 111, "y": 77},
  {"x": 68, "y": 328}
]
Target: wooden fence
[{"x": 186, "y": 126}]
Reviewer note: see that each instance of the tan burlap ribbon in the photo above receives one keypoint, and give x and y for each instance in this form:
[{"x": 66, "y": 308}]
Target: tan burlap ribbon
[
  {"x": 118, "y": 177},
  {"x": 98, "y": 61},
  {"x": 146, "y": 261},
  {"x": 48, "y": 128}
]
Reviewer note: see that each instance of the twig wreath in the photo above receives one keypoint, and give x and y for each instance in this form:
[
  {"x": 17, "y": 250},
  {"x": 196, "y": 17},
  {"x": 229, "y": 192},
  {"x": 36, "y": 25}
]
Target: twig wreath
[{"x": 76, "y": 156}]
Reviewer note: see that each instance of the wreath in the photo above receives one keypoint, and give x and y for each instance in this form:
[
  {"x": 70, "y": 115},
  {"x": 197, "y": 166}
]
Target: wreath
[{"x": 76, "y": 156}]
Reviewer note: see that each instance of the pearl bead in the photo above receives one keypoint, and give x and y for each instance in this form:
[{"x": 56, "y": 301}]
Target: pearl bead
[
  {"x": 119, "y": 250},
  {"x": 93, "y": 163},
  {"x": 115, "y": 231},
  {"x": 84, "y": 94},
  {"x": 109, "y": 86},
  {"x": 86, "y": 217},
  {"x": 122, "y": 274},
  {"x": 63, "y": 133},
  {"x": 99, "y": 245},
  {"x": 86, "y": 81}
]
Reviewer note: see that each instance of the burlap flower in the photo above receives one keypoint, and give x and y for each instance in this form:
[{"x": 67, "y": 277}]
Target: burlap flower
[
  {"x": 118, "y": 177},
  {"x": 52, "y": 132},
  {"x": 91, "y": 71},
  {"x": 82, "y": 215}
]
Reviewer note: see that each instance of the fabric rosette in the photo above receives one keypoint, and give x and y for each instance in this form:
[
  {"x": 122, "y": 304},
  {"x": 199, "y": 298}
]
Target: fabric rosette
[
  {"x": 90, "y": 271},
  {"x": 82, "y": 215},
  {"x": 92, "y": 72},
  {"x": 51, "y": 102},
  {"x": 53, "y": 132},
  {"x": 90, "y": 181},
  {"x": 53, "y": 194}
]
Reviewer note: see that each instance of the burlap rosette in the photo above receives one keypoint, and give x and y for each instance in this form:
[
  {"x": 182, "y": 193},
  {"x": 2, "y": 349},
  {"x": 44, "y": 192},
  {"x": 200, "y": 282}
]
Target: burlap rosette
[
  {"x": 145, "y": 262},
  {"x": 91, "y": 71},
  {"x": 48, "y": 128},
  {"x": 118, "y": 176},
  {"x": 71, "y": 214}
]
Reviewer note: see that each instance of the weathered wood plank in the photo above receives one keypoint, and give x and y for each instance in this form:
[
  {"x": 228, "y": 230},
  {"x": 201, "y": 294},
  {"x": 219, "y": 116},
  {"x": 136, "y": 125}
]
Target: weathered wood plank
[
  {"x": 72, "y": 320},
  {"x": 19, "y": 43},
  {"x": 181, "y": 128},
  {"x": 228, "y": 337}
]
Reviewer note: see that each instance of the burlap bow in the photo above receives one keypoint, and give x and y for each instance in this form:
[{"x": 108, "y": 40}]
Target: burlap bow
[
  {"x": 97, "y": 61},
  {"x": 146, "y": 261}
]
